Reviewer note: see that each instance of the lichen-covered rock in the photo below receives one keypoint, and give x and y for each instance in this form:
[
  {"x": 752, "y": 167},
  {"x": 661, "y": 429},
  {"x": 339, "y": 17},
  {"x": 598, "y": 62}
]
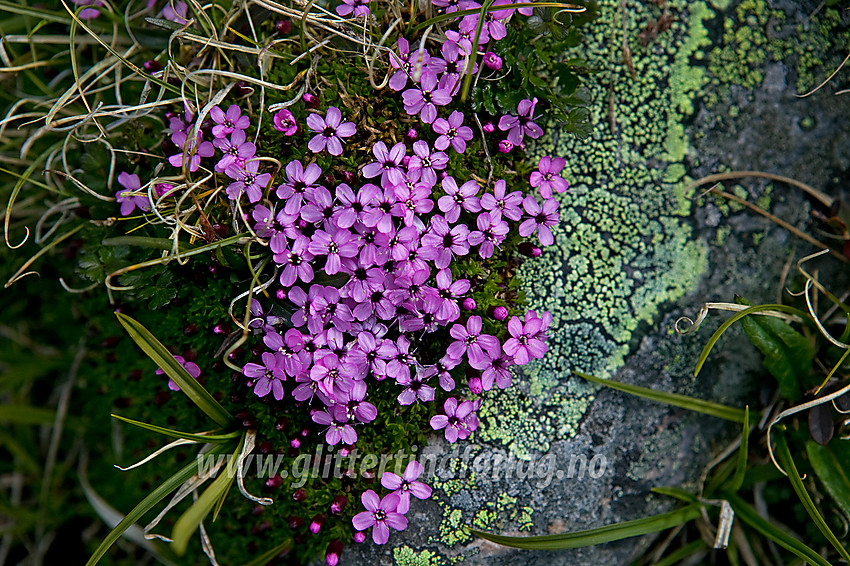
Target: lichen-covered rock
[{"x": 713, "y": 90}]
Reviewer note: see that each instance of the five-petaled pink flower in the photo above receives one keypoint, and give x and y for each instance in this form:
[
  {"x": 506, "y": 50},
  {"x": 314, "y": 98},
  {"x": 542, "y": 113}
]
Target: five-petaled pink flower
[
  {"x": 128, "y": 196},
  {"x": 227, "y": 122},
  {"x": 406, "y": 485},
  {"x": 548, "y": 178},
  {"x": 523, "y": 345},
  {"x": 330, "y": 130},
  {"x": 521, "y": 125},
  {"x": 459, "y": 421},
  {"x": 380, "y": 514},
  {"x": 541, "y": 219},
  {"x": 452, "y": 132}
]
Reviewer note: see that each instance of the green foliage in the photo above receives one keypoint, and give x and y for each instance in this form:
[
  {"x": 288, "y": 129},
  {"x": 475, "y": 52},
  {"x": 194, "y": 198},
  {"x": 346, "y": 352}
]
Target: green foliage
[{"x": 788, "y": 355}]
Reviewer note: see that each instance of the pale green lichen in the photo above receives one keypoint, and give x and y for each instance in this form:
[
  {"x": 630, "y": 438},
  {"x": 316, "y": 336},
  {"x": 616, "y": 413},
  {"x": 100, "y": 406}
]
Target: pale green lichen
[{"x": 406, "y": 556}]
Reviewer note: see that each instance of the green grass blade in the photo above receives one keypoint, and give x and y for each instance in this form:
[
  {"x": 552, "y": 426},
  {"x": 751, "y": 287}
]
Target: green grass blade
[
  {"x": 747, "y": 514},
  {"x": 787, "y": 462},
  {"x": 683, "y": 401},
  {"x": 686, "y": 551},
  {"x": 180, "y": 434},
  {"x": 741, "y": 468},
  {"x": 735, "y": 318},
  {"x": 599, "y": 535},
  {"x": 23, "y": 414},
  {"x": 189, "y": 521},
  {"x": 676, "y": 492},
  {"x": 140, "y": 241},
  {"x": 267, "y": 556},
  {"x": 147, "y": 504},
  {"x": 831, "y": 464},
  {"x": 172, "y": 368}
]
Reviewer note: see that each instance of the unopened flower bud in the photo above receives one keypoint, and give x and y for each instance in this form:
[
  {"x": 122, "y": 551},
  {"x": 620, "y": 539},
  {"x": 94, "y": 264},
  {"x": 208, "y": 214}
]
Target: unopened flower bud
[
  {"x": 412, "y": 135},
  {"x": 295, "y": 522},
  {"x": 295, "y": 443},
  {"x": 274, "y": 482},
  {"x": 500, "y": 313},
  {"x": 152, "y": 66},
  {"x": 492, "y": 61},
  {"x": 338, "y": 504},
  {"x": 529, "y": 250},
  {"x": 311, "y": 100},
  {"x": 283, "y": 27},
  {"x": 475, "y": 386},
  {"x": 299, "y": 494},
  {"x": 488, "y": 127},
  {"x": 359, "y": 536},
  {"x": 469, "y": 304},
  {"x": 316, "y": 524},
  {"x": 505, "y": 146},
  {"x": 333, "y": 553},
  {"x": 280, "y": 294}
]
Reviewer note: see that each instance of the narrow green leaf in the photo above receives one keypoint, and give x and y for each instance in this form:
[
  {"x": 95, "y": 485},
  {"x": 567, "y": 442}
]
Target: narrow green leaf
[
  {"x": 787, "y": 354},
  {"x": 267, "y": 556},
  {"x": 24, "y": 414},
  {"x": 676, "y": 492},
  {"x": 172, "y": 368},
  {"x": 179, "y": 434},
  {"x": 747, "y": 514},
  {"x": 741, "y": 469},
  {"x": 599, "y": 535},
  {"x": 148, "y": 503},
  {"x": 189, "y": 521},
  {"x": 687, "y": 551},
  {"x": 735, "y": 318},
  {"x": 683, "y": 401},
  {"x": 831, "y": 464},
  {"x": 787, "y": 462},
  {"x": 140, "y": 241}
]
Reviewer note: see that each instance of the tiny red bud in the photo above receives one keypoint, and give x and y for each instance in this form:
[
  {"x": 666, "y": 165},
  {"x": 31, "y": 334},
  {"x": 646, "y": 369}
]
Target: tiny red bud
[
  {"x": 283, "y": 27},
  {"x": 299, "y": 494},
  {"x": 316, "y": 524}
]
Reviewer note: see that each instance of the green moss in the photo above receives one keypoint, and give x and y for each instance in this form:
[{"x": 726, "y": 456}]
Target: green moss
[{"x": 406, "y": 556}]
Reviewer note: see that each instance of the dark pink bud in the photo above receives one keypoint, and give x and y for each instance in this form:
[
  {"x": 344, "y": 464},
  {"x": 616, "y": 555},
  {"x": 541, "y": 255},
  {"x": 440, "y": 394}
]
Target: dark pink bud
[
  {"x": 295, "y": 522},
  {"x": 412, "y": 135},
  {"x": 333, "y": 553},
  {"x": 348, "y": 176},
  {"x": 274, "y": 482},
  {"x": 405, "y": 160},
  {"x": 488, "y": 127},
  {"x": 311, "y": 100},
  {"x": 500, "y": 313},
  {"x": 505, "y": 146},
  {"x": 359, "y": 536},
  {"x": 469, "y": 304},
  {"x": 316, "y": 524},
  {"x": 338, "y": 504},
  {"x": 295, "y": 443},
  {"x": 475, "y": 386},
  {"x": 280, "y": 294},
  {"x": 283, "y": 27},
  {"x": 299, "y": 494},
  {"x": 152, "y": 66}
]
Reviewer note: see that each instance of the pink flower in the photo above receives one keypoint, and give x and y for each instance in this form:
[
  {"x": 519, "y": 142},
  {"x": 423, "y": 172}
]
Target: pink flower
[
  {"x": 227, "y": 122},
  {"x": 128, "y": 196},
  {"x": 519, "y": 126},
  {"x": 541, "y": 219},
  {"x": 330, "y": 130},
  {"x": 425, "y": 98},
  {"x": 190, "y": 367},
  {"x": 459, "y": 421},
  {"x": 547, "y": 176},
  {"x": 406, "y": 485},
  {"x": 523, "y": 345},
  {"x": 452, "y": 132},
  {"x": 380, "y": 514},
  {"x": 285, "y": 122}
]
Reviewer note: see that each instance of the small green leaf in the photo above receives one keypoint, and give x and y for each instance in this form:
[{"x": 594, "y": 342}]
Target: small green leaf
[
  {"x": 189, "y": 521},
  {"x": 735, "y": 318},
  {"x": 831, "y": 465},
  {"x": 787, "y": 462},
  {"x": 172, "y": 368},
  {"x": 599, "y": 535},
  {"x": 787, "y": 354},
  {"x": 683, "y": 401},
  {"x": 750, "y": 516},
  {"x": 147, "y": 504},
  {"x": 676, "y": 492}
]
